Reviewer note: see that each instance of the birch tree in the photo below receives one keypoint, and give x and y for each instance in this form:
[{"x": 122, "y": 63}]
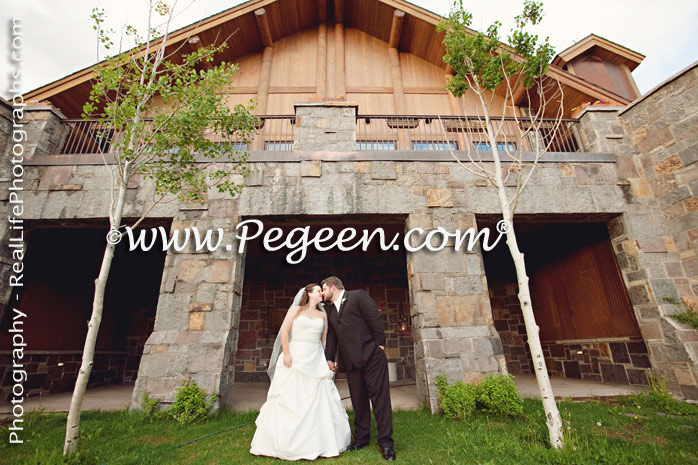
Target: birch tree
[
  {"x": 500, "y": 76},
  {"x": 161, "y": 112}
]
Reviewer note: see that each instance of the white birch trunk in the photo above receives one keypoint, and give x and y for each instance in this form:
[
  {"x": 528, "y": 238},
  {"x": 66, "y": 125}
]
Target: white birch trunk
[
  {"x": 552, "y": 414},
  {"x": 72, "y": 431}
]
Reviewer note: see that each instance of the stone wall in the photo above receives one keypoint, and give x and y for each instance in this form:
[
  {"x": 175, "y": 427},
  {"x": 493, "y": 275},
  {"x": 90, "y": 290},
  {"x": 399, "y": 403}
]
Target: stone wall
[
  {"x": 5, "y": 175},
  {"x": 623, "y": 361},
  {"x": 140, "y": 327},
  {"x": 196, "y": 328},
  {"x": 196, "y": 324},
  {"x": 326, "y": 126},
  {"x": 663, "y": 131},
  {"x": 54, "y": 372},
  {"x": 454, "y": 331},
  {"x": 647, "y": 252},
  {"x": 269, "y": 288},
  {"x": 509, "y": 323}
]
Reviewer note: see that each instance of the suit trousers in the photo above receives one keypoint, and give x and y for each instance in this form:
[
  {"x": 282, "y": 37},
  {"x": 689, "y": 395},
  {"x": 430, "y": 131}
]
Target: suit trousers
[{"x": 371, "y": 383}]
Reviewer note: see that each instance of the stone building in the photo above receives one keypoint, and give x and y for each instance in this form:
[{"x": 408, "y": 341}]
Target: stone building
[{"x": 350, "y": 93}]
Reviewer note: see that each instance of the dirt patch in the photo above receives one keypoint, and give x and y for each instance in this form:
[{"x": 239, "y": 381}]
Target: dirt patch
[
  {"x": 154, "y": 440},
  {"x": 631, "y": 435}
]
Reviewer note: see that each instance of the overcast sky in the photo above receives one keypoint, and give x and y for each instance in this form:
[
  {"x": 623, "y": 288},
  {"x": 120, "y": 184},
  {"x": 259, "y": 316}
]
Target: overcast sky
[{"x": 58, "y": 39}]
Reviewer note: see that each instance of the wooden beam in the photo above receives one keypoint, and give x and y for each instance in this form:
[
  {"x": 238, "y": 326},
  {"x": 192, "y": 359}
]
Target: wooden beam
[
  {"x": 263, "y": 92},
  {"x": 263, "y": 24},
  {"x": 87, "y": 74},
  {"x": 195, "y": 44},
  {"x": 403, "y": 142},
  {"x": 321, "y": 73},
  {"x": 585, "y": 87},
  {"x": 340, "y": 77},
  {"x": 322, "y": 10},
  {"x": 398, "y": 88},
  {"x": 394, "y": 55},
  {"x": 396, "y": 28},
  {"x": 339, "y": 11},
  {"x": 264, "y": 77}
]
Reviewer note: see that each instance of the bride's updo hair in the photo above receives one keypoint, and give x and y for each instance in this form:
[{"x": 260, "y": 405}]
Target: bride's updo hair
[{"x": 308, "y": 289}]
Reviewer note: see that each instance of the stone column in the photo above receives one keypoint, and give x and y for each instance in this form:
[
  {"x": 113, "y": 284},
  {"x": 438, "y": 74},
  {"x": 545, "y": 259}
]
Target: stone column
[
  {"x": 196, "y": 324},
  {"x": 325, "y": 127},
  {"x": 451, "y": 314},
  {"x": 44, "y": 129},
  {"x": 600, "y": 129},
  {"x": 5, "y": 183},
  {"x": 42, "y": 126}
]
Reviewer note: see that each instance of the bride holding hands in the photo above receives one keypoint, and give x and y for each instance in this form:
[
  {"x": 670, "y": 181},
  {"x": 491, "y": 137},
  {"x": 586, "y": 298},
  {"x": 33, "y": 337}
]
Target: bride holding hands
[{"x": 303, "y": 416}]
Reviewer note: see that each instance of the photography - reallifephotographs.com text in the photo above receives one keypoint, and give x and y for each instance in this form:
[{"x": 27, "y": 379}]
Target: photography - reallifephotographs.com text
[{"x": 16, "y": 229}]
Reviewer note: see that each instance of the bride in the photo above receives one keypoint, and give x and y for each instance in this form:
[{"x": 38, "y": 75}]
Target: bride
[{"x": 303, "y": 417}]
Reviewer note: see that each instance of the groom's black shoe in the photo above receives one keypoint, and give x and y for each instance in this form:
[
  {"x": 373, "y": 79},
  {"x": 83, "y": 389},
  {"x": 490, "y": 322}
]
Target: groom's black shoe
[
  {"x": 388, "y": 453},
  {"x": 355, "y": 446}
]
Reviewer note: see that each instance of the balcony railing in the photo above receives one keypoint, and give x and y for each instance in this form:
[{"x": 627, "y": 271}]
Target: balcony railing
[
  {"x": 430, "y": 132},
  {"x": 373, "y": 132},
  {"x": 275, "y": 132}
]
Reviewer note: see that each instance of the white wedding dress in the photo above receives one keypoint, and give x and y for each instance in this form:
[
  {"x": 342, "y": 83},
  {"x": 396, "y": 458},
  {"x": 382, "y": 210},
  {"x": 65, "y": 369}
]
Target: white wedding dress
[{"x": 303, "y": 417}]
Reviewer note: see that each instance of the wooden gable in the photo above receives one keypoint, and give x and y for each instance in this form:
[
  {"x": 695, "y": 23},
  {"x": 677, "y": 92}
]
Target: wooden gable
[{"x": 383, "y": 54}]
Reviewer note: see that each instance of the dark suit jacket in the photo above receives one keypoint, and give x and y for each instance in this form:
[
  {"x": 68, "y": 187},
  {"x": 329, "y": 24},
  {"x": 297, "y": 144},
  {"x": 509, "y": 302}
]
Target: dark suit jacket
[{"x": 356, "y": 330}]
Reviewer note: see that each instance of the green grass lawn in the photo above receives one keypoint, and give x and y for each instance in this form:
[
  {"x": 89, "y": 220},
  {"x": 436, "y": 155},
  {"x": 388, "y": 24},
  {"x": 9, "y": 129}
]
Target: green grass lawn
[{"x": 597, "y": 433}]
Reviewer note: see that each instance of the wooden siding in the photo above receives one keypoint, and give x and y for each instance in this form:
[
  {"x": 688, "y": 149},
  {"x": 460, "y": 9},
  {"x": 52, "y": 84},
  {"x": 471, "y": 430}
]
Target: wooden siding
[
  {"x": 289, "y": 26},
  {"x": 368, "y": 80},
  {"x": 581, "y": 295},
  {"x": 605, "y": 74}
]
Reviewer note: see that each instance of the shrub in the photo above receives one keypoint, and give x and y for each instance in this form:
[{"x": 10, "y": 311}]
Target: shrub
[
  {"x": 498, "y": 394},
  {"x": 458, "y": 399},
  {"x": 190, "y": 404},
  {"x": 495, "y": 393},
  {"x": 151, "y": 407}
]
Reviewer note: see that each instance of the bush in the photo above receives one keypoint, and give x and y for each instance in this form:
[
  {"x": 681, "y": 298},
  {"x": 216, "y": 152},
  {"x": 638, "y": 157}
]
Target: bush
[
  {"x": 151, "y": 407},
  {"x": 190, "y": 404},
  {"x": 495, "y": 393},
  {"x": 458, "y": 399},
  {"x": 498, "y": 394}
]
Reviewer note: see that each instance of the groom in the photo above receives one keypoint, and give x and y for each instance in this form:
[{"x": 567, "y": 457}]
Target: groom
[{"x": 355, "y": 326}]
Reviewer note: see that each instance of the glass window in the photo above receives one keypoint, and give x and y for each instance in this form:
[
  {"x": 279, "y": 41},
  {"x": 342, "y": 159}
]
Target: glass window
[
  {"x": 279, "y": 145},
  {"x": 501, "y": 146},
  {"x": 375, "y": 145},
  {"x": 434, "y": 145},
  {"x": 235, "y": 146}
]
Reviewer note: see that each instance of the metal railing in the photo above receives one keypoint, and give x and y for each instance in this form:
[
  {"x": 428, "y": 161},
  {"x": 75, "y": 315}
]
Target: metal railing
[
  {"x": 275, "y": 132},
  {"x": 373, "y": 132},
  {"x": 79, "y": 136},
  {"x": 431, "y": 132}
]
